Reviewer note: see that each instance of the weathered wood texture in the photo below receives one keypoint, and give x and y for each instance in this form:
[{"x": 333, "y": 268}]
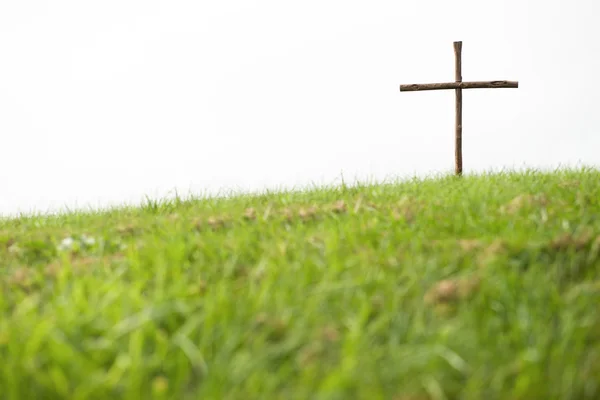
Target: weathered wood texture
[
  {"x": 458, "y": 134},
  {"x": 458, "y": 85}
]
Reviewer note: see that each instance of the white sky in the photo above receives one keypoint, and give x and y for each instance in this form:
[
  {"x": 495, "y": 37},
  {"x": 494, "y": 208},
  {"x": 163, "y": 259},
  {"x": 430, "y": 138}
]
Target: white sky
[{"x": 104, "y": 102}]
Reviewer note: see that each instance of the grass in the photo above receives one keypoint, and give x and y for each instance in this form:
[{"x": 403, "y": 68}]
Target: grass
[{"x": 485, "y": 287}]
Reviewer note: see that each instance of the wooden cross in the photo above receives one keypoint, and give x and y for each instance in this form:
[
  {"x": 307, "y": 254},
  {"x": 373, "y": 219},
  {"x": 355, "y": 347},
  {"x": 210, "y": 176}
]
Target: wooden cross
[{"x": 459, "y": 85}]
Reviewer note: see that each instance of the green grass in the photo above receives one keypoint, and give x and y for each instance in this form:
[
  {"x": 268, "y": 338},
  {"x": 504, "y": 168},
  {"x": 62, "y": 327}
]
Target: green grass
[{"x": 485, "y": 287}]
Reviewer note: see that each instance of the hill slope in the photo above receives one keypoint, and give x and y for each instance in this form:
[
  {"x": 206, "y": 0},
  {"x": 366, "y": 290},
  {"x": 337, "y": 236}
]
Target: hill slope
[{"x": 481, "y": 287}]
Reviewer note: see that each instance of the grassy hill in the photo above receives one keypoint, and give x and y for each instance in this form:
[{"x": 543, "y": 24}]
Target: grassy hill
[{"x": 485, "y": 287}]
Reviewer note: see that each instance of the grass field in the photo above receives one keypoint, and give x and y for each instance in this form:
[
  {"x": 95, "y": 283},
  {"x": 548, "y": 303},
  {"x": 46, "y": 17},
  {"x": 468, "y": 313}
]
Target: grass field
[{"x": 485, "y": 287}]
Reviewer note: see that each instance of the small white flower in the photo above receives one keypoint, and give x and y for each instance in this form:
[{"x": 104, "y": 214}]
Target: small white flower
[
  {"x": 89, "y": 241},
  {"x": 66, "y": 244}
]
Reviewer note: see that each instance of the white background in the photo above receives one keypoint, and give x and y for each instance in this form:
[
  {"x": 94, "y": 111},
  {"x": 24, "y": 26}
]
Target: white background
[{"x": 103, "y": 102}]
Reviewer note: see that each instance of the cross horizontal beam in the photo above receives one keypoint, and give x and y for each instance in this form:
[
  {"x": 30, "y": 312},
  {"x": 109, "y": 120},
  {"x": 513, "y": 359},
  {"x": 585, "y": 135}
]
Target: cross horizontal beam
[{"x": 458, "y": 85}]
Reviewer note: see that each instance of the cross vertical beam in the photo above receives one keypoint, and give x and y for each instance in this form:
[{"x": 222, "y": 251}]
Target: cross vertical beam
[
  {"x": 458, "y": 134},
  {"x": 458, "y": 85}
]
